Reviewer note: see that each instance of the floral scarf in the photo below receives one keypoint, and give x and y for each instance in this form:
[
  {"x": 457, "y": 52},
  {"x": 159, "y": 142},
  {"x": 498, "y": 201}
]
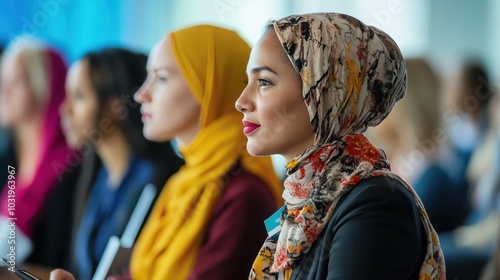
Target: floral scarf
[{"x": 352, "y": 75}]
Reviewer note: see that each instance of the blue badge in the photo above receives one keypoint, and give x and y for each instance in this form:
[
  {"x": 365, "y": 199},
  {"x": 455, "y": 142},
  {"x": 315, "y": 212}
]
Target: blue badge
[{"x": 272, "y": 223}]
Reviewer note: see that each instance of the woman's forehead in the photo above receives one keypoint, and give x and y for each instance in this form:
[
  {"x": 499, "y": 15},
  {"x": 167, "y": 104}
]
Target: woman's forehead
[{"x": 269, "y": 48}]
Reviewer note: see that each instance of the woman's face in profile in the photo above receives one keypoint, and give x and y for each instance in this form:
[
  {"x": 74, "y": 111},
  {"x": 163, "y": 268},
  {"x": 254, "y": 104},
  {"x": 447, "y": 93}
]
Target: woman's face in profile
[
  {"x": 169, "y": 108},
  {"x": 81, "y": 105},
  {"x": 275, "y": 115},
  {"x": 18, "y": 102}
]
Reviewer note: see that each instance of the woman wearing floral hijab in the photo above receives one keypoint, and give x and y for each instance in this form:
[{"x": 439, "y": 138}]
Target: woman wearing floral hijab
[{"x": 346, "y": 215}]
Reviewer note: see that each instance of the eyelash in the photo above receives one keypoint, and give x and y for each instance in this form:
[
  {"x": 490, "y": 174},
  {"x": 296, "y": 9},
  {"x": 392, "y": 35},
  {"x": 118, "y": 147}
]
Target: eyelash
[
  {"x": 160, "y": 79},
  {"x": 264, "y": 83}
]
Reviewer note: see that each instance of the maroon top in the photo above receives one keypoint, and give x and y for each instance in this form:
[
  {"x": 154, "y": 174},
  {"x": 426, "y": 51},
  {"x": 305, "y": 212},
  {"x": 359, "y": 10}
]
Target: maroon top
[{"x": 235, "y": 231}]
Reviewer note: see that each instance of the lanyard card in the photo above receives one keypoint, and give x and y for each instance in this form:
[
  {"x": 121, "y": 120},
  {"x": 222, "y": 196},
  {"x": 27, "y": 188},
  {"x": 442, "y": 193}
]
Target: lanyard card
[{"x": 272, "y": 223}]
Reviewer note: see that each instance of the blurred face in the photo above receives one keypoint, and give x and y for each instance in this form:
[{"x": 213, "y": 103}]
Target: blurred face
[
  {"x": 385, "y": 134},
  {"x": 169, "y": 108},
  {"x": 275, "y": 119},
  {"x": 80, "y": 108},
  {"x": 18, "y": 102}
]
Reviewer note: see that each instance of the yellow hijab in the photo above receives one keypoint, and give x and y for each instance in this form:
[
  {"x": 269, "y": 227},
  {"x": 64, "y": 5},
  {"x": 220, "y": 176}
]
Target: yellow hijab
[{"x": 213, "y": 61}]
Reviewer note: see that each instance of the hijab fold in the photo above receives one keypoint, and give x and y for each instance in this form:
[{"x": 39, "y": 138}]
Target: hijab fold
[
  {"x": 213, "y": 61},
  {"x": 352, "y": 75}
]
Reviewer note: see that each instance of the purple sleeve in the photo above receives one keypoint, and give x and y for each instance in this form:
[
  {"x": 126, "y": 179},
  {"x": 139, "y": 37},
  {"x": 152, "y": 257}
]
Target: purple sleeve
[{"x": 235, "y": 231}]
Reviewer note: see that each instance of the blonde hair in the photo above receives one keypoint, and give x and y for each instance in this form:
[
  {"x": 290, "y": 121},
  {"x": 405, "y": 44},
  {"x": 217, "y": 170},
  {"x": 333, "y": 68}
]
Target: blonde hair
[
  {"x": 420, "y": 112},
  {"x": 32, "y": 53}
]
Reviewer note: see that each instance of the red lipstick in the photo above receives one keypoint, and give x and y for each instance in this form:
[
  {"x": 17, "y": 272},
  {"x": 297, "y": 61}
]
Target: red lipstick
[
  {"x": 249, "y": 127},
  {"x": 145, "y": 116}
]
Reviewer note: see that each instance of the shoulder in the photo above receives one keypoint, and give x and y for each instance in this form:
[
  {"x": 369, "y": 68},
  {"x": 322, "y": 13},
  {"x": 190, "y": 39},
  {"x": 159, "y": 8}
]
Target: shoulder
[
  {"x": 376, "y": 225},
  {"x": 245, "y": 194},
  {"x": 244, "y": 204},
  {"x": 377, "y": 191},
  {"x": 241, "y": 184},
  {"x": 375, "y": 199}
]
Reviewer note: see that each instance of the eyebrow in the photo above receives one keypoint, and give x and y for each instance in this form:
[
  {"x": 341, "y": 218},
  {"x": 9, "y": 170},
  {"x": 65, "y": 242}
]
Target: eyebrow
[
  {"x": 263, "y": 68},
  {"x": 163, "y": 68},
  {"x": 156, "y": 69}
]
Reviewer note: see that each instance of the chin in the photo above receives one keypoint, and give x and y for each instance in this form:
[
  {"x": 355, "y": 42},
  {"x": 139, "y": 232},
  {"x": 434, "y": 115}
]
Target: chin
[
  {"x": 155, "y": 136},
  {"x": 256, "y": 150},
  {"x": 149, "y": 135}
]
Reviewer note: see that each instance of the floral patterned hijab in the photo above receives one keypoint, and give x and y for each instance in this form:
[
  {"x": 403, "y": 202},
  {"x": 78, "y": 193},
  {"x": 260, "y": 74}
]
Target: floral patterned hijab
[{"x": 352, "y": 75}]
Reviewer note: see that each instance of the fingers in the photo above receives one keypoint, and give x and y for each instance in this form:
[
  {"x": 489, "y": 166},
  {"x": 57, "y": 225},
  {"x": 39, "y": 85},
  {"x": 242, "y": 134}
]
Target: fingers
[{"x": 61, "y": 274}]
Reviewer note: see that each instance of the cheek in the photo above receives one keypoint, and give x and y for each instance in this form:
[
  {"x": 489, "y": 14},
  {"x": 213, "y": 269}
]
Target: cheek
[
  {"x": 81, "y": 120},
  {"x": 21, "y": 104},
  {"x": 171, "y": 113},
  {"x": 285, "y": 123},
  {"x": 281, "y": 115},
  {"x": 167, "y": 112},
  {"x": 84, "y": 116}
]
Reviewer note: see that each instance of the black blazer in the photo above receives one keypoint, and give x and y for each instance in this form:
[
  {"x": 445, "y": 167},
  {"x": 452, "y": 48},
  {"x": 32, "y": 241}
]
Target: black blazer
[{"x": 375, "y": 233}]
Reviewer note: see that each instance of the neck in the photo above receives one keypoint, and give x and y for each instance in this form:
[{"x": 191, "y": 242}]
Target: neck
[
  {"x": 288, "y": 158},
  {"x": 28, "y": 148},
  {"x": 187, "y": 136},
  {"x": 115, "y": 153},
  {"x": 298, "y": 150}
]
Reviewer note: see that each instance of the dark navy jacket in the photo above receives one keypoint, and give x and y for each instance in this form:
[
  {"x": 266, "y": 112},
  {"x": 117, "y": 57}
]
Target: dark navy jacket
[{"x": 375, "y": 233}]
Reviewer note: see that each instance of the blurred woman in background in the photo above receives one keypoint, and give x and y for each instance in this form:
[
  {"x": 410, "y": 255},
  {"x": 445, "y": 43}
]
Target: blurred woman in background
[
  {"x": 99, "y": 114},
  {"x": 469, "y": 247},
  {"x": 32, "y": 89},
  {"x": 413, "y": 137},
  {"x": 469, "y": 94}
]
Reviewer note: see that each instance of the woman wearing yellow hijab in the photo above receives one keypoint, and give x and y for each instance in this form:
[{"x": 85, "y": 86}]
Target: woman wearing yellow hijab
[{"x": 207, "y": 223}]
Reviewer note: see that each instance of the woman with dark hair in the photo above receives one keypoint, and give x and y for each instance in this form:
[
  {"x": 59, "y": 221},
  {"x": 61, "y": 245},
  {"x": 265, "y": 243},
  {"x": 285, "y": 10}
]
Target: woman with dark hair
[{"x": 100, "y": 114}]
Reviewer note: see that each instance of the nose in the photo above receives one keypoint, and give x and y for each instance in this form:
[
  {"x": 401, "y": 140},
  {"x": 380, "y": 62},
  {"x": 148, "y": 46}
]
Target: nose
[
  {"x": 243, "y": 104},
  {"x": 143, "y": 94}
]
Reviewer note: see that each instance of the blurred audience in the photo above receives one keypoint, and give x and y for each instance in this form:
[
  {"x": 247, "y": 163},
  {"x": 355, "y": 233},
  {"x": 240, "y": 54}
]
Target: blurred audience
[
  {"x": 101, "y": 119},
  {"x": 468, "y": 248},
  {"x": 466, "y": 118},
  {"x": 32, "y": 89},
  {"x": 468, "y": 95},
  {"x": 413, "y": 137}
]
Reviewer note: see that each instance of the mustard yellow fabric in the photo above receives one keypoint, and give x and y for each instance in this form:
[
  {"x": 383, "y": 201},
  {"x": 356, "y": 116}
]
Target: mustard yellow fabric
[{"x": 213, "y": 61}]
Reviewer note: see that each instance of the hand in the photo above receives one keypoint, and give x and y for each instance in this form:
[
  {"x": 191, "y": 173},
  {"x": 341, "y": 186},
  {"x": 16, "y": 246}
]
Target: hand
[{"x": 61, "y": 274}]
